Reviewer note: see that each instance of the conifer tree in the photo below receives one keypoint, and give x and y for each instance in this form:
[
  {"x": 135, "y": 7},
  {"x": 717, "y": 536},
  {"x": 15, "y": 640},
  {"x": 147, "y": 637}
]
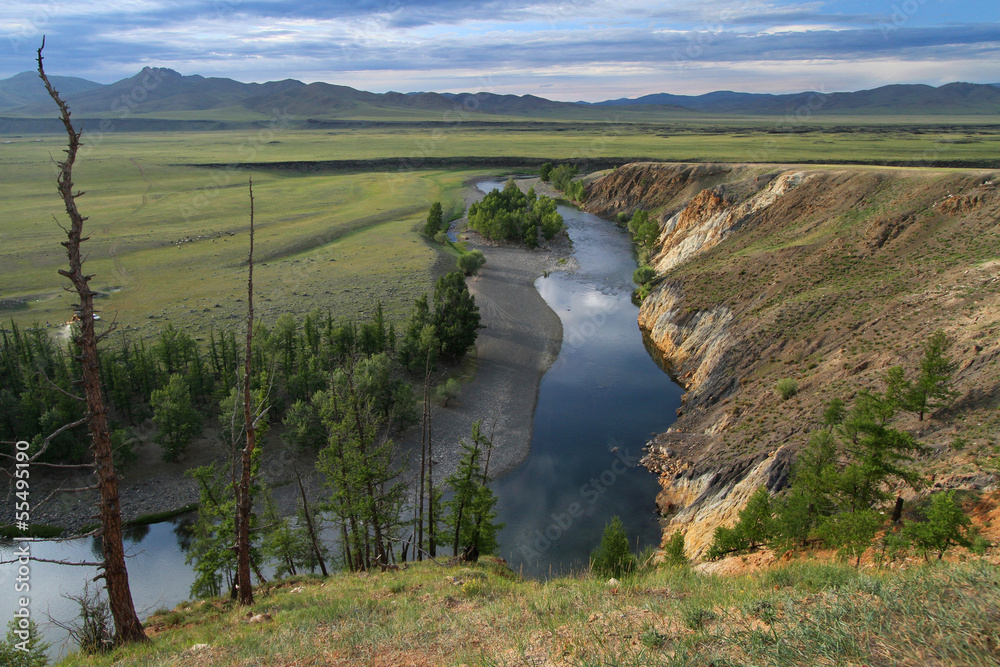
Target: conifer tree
[{"x": 472, "y": 507}]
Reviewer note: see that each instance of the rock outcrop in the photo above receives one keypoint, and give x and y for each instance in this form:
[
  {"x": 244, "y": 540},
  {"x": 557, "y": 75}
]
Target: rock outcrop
[{"x": 827, "y": 276}]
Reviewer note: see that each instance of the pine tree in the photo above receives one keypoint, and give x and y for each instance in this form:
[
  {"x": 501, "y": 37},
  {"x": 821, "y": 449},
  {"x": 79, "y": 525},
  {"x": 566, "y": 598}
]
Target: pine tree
[
  {"x": 945, "y": 525},
  {"x": 177, "y": 420},
  {"x": 456, "y": 316},
  {"x": 24, "y": 646},
  {"x": 435, "y": 220},
  {"x": 613, "y": 557},
  {"x": 933, "y": 387},
  {"x": 472, "y": 507}
]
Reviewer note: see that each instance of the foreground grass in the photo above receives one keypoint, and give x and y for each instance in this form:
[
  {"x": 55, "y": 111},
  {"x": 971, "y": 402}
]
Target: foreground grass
[{"x": 802, "y": 613}]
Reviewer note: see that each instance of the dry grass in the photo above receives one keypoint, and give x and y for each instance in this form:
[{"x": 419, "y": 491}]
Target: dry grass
[{"x": 800, "y": 613}]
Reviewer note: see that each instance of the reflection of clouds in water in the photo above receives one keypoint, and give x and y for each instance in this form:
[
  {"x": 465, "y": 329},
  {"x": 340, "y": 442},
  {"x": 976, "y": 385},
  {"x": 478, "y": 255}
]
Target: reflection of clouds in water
[{"x": 603, "y": 393}]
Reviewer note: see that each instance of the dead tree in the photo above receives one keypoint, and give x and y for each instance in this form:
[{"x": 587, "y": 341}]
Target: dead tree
[
  {"x": 243, "y": 499},
  {"x": 313, "y": 537},
  {"x": 127, "y": 625}
]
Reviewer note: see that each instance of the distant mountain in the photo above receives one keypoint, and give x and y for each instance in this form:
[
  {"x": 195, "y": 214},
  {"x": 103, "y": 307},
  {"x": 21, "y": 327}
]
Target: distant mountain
[
  {"x": 158, "y": 92},
  {"x": 26, "y": 88},
  {"x": 953, "y": 98},
  {"x": 161, "y": 90}
]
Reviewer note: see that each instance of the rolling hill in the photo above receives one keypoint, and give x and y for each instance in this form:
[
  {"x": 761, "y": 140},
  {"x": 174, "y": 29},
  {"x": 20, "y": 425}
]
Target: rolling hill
[
  {"x": 26, "y": 89},
  {"x": 157, "y": 92},
  {"x": 953, "y": 98}
]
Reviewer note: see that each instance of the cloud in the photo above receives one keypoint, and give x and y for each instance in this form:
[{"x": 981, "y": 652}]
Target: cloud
[{"x": 563, "y": 47}]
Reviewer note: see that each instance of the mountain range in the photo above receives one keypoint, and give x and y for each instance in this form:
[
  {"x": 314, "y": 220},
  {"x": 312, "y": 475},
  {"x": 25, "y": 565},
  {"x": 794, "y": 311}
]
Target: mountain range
[{"x": 164, "y": 93}]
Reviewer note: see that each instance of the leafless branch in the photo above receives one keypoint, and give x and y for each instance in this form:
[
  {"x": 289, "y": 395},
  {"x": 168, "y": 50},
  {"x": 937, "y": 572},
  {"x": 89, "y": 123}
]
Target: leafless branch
[
  {"x": 54, "y": 434},
  {"x": 62, "y": 391},
  {"x": 54, "y": 562},
  {"x": 53, "y": 465}
]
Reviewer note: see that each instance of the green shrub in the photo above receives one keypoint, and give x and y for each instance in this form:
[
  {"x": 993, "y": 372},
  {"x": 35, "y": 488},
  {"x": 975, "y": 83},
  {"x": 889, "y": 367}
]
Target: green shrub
[
  {"x": 673, "y": 550},
  {"x": 469, "y": 263},
  {"x": 787, "y": 388},
  {"x": 946, "y": 525},
  {"x": 613, "y": 558},
  {"x": 447, "y": 391},
  {"x": 755, "y": 528},
  {"x": 643, "y": 275}
]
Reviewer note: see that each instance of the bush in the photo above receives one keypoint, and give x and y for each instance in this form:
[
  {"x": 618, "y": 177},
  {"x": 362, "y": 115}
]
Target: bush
[
  {"x": 787, "y": 388},
  {"x": 469, "y": 263},
  {"x": 562, "y": 176},
  {"x": 755, "y": 528},
  {"x": 613, "y": 558},
  {"x": 447, "y": 391},
  {"x": 946, "y": 525},
  {"x": 673, "y": 551},
  {"x": 643, "y": 275}
]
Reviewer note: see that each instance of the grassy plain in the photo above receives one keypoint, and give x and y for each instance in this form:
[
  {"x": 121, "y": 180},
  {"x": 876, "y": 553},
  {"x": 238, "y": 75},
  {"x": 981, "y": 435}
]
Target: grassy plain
[
  {"x": 169, "y": 242},
  {"x": 168, "y": 238}
]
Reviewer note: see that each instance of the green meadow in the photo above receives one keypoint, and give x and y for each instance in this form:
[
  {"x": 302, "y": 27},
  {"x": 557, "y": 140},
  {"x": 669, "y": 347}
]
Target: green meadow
[
  {"x": 168, "y": 238},
  {"x": 170, "y": 242}
]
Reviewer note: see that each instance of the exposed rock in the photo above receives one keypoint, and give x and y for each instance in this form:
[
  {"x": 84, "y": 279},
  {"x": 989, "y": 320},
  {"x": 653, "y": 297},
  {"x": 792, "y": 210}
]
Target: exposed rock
[
  {"x": 827, "y": 276},
  {"x": 708, "y": 497},
  {"x": 693, "y": 342},
  {"x": 713, "y": 215}
]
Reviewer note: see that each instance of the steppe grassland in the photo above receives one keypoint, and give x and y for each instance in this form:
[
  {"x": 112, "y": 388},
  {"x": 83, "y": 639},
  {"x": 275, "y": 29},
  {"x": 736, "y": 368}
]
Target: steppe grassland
[
  {"x": 733, "y": 140},
  {"x": 169, "y": 242},
  {"x": 171, "y": 237}
]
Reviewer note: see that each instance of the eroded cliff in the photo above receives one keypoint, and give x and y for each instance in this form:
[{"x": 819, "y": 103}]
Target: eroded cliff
[{"x": 827, "y": 276}]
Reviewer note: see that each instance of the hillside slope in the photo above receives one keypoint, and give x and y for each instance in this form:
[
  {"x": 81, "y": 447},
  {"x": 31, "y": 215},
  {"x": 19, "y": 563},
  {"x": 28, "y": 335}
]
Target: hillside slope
[
  {"x": 828, "y": 276},
  {"x": 898, "y": 99},
  {"x": 431, "y": 615}
]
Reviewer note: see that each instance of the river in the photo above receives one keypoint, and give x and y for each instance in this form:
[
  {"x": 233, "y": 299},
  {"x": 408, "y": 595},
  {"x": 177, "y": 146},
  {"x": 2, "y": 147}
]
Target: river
[{"x": 598, "y": 404}]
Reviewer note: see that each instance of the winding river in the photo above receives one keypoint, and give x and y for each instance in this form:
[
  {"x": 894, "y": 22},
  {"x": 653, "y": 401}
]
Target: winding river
[{"x": 597, "y": 406}]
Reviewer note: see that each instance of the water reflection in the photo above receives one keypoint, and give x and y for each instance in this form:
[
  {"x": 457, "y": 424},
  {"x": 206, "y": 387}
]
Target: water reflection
[
  {"x": 597, "y": 406},
  {"x": 158, "y": 575}
]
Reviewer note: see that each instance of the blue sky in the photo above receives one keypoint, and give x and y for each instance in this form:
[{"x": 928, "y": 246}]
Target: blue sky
[{"x": 561, "y": 49}]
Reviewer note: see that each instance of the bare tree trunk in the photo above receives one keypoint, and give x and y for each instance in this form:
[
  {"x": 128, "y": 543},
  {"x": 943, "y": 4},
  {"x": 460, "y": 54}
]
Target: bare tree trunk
[
  {"x": 431, "y": 523},
  {"x": 127, "y": 625},
  {"x": 309, "y": 525},
  {"x": 243, "y": 501},
  {"x": 423, "y": 477}
]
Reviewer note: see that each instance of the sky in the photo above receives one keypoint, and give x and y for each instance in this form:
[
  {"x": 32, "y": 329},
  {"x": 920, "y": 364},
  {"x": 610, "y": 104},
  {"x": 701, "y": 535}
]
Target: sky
[{"x": 567, "y": 50}]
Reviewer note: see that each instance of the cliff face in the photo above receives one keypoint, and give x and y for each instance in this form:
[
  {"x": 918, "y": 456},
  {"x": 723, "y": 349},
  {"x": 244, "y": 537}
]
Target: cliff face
[
  {"x": 716, "y": 213},
  {"x": 826, "y": 276}
]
